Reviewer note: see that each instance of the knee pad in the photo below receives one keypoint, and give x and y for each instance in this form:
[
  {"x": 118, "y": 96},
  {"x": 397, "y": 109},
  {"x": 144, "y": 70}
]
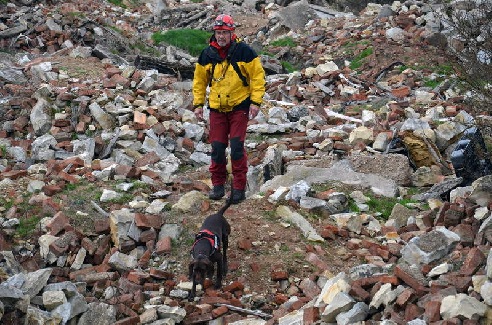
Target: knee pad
[
  {"x": 237, "y": 149},
  {"x": 218, "y": 152}
]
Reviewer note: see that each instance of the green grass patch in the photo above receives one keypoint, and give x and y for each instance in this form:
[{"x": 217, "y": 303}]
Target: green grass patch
[
  {"x": 359, "y": 59},
  {"x": 284, "y": 41},
  {"x": 3, "y": 150},
  {"x": 137, "y": 185},
  {"x": 380, "y": 205},
  {"x": 384, "y": 205},
  {"x": 123, "y": 4},
  {"x": 270, "y": 215},
  {"x": 118, "y": 3},
  {"x": 191, "y": 40},
  {"x": 269, "y": 54},
  {"x": 143, "y": 48},
  {"x": 352, "y": 206},
  {"x": 442, "y": 69},
  {"x": 26, "y": 226},
  {"x": 298, "y": 256},
  {"x": 124, "y": 198},
  {"x": 284, "y": 248},
  {"x": 445, "y": 69},
  {"x": 355, "y": 44},
  {"x": 70, "y": 186},
  {"x": 488, "y": 142},
  {"x": 431, "y": 83},
  {"x": 6, "y": 203},
  {"x": 289, "y": 67},
  {"x": 349, "y": 48},
  {"x": 75, "y": 14}
]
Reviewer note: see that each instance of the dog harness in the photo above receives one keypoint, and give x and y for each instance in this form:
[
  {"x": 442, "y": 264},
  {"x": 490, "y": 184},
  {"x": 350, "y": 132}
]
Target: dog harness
[{"x": 210, "y": 236}]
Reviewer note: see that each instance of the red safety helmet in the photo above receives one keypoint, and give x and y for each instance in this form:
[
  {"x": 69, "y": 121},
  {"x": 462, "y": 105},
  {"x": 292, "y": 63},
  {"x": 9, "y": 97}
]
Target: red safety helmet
[{"x": 224, "y": 22}]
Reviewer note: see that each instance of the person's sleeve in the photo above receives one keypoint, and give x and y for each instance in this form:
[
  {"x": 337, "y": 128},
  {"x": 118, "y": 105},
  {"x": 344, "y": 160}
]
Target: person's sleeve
[
  {"x": 200, "y": 83},
  {"x": 257, "y": 81}
]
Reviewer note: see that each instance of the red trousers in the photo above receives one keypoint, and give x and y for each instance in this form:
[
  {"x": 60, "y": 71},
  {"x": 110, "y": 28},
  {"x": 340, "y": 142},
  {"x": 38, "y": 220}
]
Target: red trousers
[{"x": 228, "y": 128}]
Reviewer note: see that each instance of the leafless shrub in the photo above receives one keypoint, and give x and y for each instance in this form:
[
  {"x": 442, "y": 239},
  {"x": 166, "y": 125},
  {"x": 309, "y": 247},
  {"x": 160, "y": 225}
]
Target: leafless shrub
[{"x": 469, "y": 28}]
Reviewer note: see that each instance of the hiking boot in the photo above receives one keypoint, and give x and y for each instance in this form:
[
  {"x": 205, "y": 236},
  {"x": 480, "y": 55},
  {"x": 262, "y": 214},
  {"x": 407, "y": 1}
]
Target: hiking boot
[
  {"x": 237, "y": 196},
  {"x": 216, "y": 193}
]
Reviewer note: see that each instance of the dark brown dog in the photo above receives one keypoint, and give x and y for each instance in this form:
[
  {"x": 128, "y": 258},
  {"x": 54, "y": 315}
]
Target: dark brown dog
[{"x": 206, "y": 250}]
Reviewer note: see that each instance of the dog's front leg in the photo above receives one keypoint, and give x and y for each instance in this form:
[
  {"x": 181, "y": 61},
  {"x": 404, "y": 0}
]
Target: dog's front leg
[
  {"x": 225, "y": 244},
  {"x": 192, "y": 294},
  {"x": 220, "y": 268}
]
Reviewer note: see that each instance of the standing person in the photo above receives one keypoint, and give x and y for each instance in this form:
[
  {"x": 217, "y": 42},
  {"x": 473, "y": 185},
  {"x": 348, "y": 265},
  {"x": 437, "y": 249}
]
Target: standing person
[{"x": 236, "y": 78}]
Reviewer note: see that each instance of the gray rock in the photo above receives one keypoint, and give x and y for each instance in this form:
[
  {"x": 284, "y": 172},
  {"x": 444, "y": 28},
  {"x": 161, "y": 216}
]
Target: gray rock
[
  {"x": 482, "y": 190},
  {"x": 400, "y": 215},
  {"x": 98, "y": 313},
  {"x": 40, "y": 117},
  {"x": 462, "y": 305},
  {"x": 42, "y": 147},
  {"x": 53, "y": 299},
  {"x": 395, "y": 167},
  {"x": 172, "y": 230},
  {"x": 296, "y": 15},
  {"x": 339, "y": 171},
  {"x": 69, "y": 288},
  {"x": 357, "y": 313},
  {"x": 175, "y": 313},
  {"x": 33, "y": 282},
  {"x": 342, "y": 302},
  {"x": 309, "y": 232},
  {"x": 37, "y": 316},
  {"x": 105, "y": 120},
  {"x": 429, "y": 247},
  {"x": 122, "y": 262},
  {"x": 189, "y": 202},
  {"x": 298, "y": 190},
  {"x": 270, "y": 167}
]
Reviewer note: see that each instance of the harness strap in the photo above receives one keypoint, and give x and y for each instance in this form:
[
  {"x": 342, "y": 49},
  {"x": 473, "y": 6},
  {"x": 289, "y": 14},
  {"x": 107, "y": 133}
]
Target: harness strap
[
  {"x": 210, "y": 236},
  {"x": 238, "y": 71},
  {"x": 234, "y": 65}
]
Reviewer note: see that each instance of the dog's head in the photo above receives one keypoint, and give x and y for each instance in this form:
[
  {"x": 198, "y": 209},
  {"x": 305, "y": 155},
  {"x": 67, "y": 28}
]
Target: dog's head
[{"x": 199, "y": 268}]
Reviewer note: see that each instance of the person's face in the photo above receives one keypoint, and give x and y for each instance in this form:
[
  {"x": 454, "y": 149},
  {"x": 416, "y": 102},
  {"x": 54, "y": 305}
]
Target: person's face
[{"x": 223, "y": 37}]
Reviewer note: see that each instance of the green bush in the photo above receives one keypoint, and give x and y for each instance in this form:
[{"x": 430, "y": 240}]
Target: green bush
[{"x": 191, "y": 40}]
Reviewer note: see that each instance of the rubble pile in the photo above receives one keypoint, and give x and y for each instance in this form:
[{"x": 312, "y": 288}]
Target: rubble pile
[{"x": 76, "y": 109}]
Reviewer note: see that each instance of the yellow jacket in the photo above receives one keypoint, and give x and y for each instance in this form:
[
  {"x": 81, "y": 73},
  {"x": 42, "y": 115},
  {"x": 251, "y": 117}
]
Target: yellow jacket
[{"x": 228, "y": 87}]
